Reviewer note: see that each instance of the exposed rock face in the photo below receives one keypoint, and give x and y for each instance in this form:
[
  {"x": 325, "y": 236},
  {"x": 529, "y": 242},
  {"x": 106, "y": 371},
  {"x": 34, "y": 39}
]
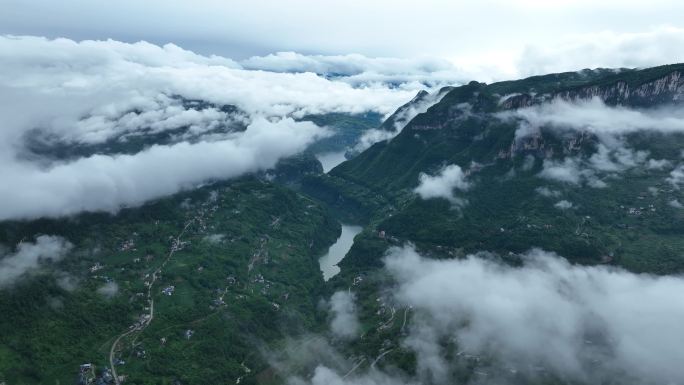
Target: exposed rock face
[
  {"x": 669, "y": 88},
  {"x": 666, "y": 89},
  {"x": 511, "y": 102},
  {"x": 544, "y": 146}
]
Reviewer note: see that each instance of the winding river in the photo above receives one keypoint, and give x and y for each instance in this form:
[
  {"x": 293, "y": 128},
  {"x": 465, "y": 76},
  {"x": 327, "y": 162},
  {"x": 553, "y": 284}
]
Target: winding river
[{"x": 337, "y": 251}]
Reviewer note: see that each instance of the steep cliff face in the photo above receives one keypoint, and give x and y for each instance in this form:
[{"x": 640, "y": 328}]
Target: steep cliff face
[
  {"x": 665, "y": 89},
  {"x": 631, "y": 91},
  {"x": 547, "y": 145},
  {"x": 669, "y": 88}
]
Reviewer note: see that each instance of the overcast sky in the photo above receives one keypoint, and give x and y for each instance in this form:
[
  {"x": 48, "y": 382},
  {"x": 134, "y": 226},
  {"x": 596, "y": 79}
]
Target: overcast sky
[{"x": 482, "y": 33}]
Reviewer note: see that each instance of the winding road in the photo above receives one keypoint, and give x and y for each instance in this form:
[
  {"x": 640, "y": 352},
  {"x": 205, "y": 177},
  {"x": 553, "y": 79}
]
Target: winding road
[{"x": 142, "y": 326}]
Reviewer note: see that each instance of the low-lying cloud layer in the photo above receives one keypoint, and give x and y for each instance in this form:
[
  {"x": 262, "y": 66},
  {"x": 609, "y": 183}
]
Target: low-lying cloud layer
[
  {"x": 579, "y": 322},
  {"x": 596, "y": 117},
  {"x": 546, "y": 318},
  {"x": 360, "y": 70},
  {"x": 345, "y": 322},
  {"x": 29, "y": 256},
  {"x": 108, "y": 182},
  {"x": 103, "y": 93}
]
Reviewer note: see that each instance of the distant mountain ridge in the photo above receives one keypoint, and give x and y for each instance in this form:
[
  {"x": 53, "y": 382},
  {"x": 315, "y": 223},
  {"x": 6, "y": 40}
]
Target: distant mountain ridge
[{"x": 476, "y": 126}]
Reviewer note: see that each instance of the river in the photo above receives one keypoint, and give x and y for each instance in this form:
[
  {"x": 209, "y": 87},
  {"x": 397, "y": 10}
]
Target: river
[
  {"x": 337, "y": 251},
  {"x": 330, "y": 159}
]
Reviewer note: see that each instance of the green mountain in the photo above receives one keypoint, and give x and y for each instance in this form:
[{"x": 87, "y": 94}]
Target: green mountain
[
  {"x": 240, "y": 259},
  {"x": 204, "y": 286},
  {"x": 504, "y": 211},
  {"x": 622, "y": 210}
]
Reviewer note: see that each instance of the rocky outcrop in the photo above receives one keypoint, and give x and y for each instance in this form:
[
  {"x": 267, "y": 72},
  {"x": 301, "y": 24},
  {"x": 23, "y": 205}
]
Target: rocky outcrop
[
  {"x": 664, "y": 90},
  {"x": 545, "y": 145},
  {"x": 667, "y": 89},
  {"x": 514, "y": 101}
]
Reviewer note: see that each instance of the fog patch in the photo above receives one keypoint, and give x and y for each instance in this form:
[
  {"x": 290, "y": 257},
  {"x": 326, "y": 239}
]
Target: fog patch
[
  {"x": 108, "y": 183},
  {"x": 442, "y": 184},
  {"x": 215, "y": 238},
  {"x": 571, "y": 171},
  {"x": 583, "y": 323},
  {"x": 596, "y": 117},
  {"x": 67, "y": 282},
  {"x": 100, "y": 92},
  {"x": 658, "y": 164},
  {"x": 345, "y": 323},
  {"x": 608, "y": 124},
  {"x": 547, "y": 192},
  {"x": 528, "y": 163},
  {"x": 360, "y": 70},
  {"x": 30, "y": 256},
  {"x": 108, "y": 290},
  {"x": 676, "y": 178}
]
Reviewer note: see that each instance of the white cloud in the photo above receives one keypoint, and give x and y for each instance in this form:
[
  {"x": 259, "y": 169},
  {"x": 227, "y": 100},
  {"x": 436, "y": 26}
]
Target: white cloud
[
  {"x": 215, "y": 238},
  {"x": 609, "y": 125},
  {"x": 443, "y": 184},
  {"x": 325, "y": 376},
  {"x": 357, "y": 69},
  {"x": 103, "y": 182},
  {"x": 607, "y": 49},
  {"x": 547, "y": 192},
  {"x": 67, "y": 282},
  {"x": 570, "y": 170},
  {"x": 658, "y": 164},
  {"x": 563, "y": 205},
  {"x": 616, "y": 159},
  {"x": 597, "y": 118},
  {"x": 577, "y": 34},
  {"x": 345, "y": 322},
  {"x": 29, "y": 256},
  {"x": 108, "y": 290},
  {"x": 110, "y": 78},
  {"x": 676, "y": 204},
  {"x": 582, "y": 323},
  {"x": 95, "y": 91},
  {"x": 676, "y": 177}
]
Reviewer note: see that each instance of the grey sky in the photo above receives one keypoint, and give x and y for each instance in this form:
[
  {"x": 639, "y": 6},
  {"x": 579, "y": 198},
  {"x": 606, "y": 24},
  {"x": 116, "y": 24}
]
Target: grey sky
[{"x": 463, "y": 31}]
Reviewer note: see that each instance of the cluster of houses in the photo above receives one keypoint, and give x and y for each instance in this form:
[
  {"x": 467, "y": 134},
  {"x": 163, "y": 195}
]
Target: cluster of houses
[
  {"x": 357, "y": 280},
  {"x": 143, "y": 320},
  {"x": 218, "y": 302},
  {"x": 169, "y": 290},
  {"x": 97, "y": 266},
  {"x": 639, "y": 211},
  {"x": 178, "y": 245},
  {"x": 258, "y": 279},
  {"x": 87, "y": 376},
  {"x": 127, "y": 245},
  {"x": 383, "y": 235}
]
